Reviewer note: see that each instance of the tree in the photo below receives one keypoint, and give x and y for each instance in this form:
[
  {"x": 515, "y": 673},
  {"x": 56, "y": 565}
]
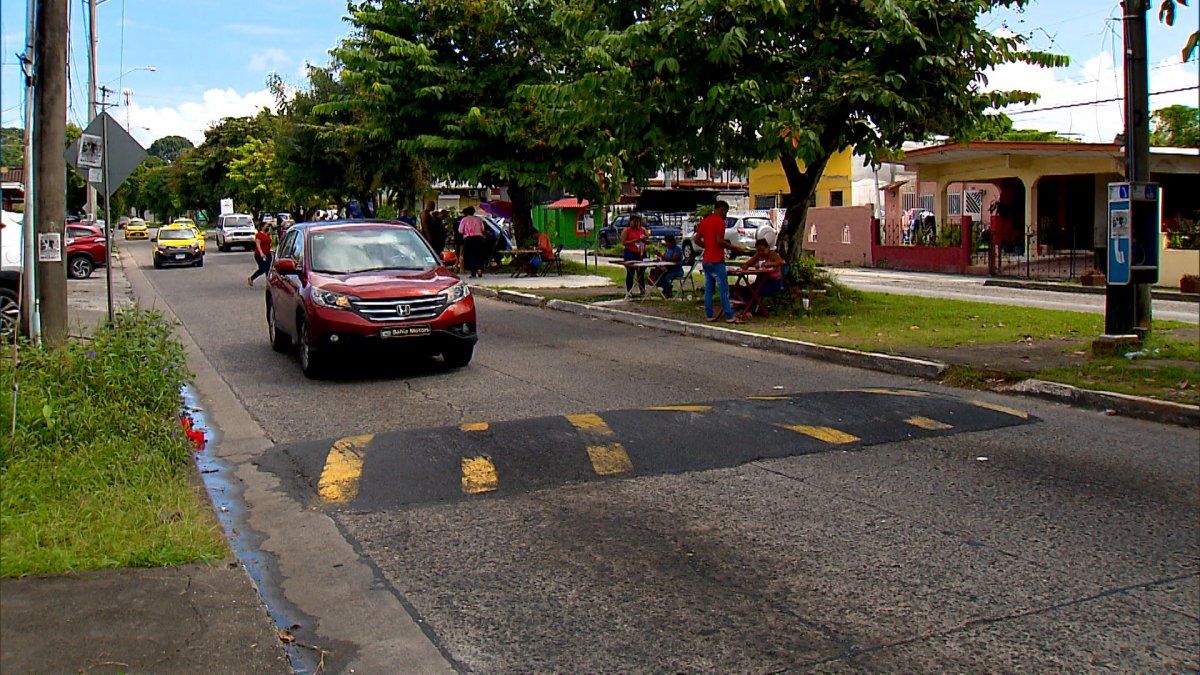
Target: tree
[
  {"x": 1176, "y": 126},
  {"x": 734, "y": 83},
  {"x": 999, "y": 127},
  {"x": 200, "y": 177},
  {"x": 12, "y": 147},
  {"x": 168, "y": 148},
  {"x": 76, "y": 186},
  {"x": 441, "y": 80},
  {"x": 250, "y": 176}
]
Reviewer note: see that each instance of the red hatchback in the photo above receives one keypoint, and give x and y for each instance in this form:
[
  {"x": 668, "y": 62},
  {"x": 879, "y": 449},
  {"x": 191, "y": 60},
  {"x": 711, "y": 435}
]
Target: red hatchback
[
  {"x": 339, "y": 286},
  {"x": 86, "y": 250}
]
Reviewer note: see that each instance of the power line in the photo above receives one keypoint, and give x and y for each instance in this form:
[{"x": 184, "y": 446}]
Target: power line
[{"x": 1105, "y": 100}]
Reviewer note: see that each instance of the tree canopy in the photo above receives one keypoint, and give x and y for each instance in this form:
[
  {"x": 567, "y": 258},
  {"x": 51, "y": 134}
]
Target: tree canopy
[
  {"x": 168, "y": 148},
  {"x": 734, "y": 83},
  {"x": 1175, "y": 126}
]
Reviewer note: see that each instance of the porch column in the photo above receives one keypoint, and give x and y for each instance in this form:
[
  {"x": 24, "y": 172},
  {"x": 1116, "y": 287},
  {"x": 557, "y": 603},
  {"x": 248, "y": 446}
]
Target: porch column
[{"x": 1030, "y": 184}]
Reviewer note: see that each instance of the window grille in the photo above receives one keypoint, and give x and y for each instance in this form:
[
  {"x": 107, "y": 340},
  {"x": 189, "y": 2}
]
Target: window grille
[
  {"x": 954, "y": 203},
  {"x": 845, "y": 234}
]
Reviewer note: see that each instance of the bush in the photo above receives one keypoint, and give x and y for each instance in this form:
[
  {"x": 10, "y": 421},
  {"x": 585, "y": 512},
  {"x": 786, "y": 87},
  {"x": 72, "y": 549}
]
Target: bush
[
  {"x": 98, "y": 473},
  {"x": 1185, "y": 234}
]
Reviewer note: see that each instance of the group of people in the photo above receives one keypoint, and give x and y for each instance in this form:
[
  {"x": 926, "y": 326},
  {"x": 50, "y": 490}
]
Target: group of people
[{"x": 710, "y": 238}]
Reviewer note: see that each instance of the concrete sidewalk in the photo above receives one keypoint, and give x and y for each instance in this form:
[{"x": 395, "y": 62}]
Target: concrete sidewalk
[{"x": 190, "y": 618}]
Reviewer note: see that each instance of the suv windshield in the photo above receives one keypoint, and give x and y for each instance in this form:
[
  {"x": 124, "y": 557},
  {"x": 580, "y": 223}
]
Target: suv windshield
[
  {"x": 365, "y": 249},
  {"x": 177, "y": 233},
  {"x": 241, "y": 221}
]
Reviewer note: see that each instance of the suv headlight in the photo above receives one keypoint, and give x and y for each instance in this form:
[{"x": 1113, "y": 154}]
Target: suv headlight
[
  {"x": 458, "y": 292},
  {"x": 332, "y": 300}
]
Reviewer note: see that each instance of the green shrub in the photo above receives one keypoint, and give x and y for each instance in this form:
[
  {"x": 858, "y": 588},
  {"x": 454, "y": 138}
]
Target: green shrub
[{"x": 98, "y": 473}]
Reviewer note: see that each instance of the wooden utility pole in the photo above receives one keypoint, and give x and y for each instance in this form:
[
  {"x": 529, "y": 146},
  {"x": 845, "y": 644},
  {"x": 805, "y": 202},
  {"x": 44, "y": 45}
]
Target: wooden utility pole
[
  {"x": 50, "y": 168},
  {"x": 1137, "y": 129}
]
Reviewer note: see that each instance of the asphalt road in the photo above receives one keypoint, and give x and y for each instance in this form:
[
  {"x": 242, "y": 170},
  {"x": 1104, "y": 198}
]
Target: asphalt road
[{"x": 769, "y": 513}]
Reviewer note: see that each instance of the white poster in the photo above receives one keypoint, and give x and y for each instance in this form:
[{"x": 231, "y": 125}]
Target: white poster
[
  {"x": 90, "y": 152},
  {"x": 49, "y": 247},
  {"x": 226, "y": 206}
]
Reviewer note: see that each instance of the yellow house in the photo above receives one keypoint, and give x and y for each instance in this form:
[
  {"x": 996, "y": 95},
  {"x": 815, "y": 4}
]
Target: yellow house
[{"x": 768, "y": 184}]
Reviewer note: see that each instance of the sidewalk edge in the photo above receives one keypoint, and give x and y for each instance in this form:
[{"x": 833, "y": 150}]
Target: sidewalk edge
[
  {"x": 1157, "y": 294},
  {"x": 1139, "y": 407}
]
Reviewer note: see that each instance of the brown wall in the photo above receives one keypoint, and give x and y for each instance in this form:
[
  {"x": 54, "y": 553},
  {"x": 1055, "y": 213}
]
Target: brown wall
[{"x": 830, "y": 223}]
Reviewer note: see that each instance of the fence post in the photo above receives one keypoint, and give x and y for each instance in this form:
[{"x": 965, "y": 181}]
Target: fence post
[{"x": 968, "y": 242}]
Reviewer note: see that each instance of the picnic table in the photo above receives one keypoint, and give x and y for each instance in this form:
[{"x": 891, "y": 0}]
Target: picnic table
[
  {"x": 519, "y": 256},
  {"x": 651, "y": 265}
]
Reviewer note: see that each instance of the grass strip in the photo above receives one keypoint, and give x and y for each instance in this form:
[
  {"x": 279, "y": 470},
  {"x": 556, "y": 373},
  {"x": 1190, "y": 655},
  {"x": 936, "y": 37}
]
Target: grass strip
[{"x": 98, "y": 474}]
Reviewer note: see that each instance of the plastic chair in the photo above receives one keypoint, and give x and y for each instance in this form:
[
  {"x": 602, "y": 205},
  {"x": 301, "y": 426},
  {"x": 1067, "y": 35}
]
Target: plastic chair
[{"x": 555, "y": 262}]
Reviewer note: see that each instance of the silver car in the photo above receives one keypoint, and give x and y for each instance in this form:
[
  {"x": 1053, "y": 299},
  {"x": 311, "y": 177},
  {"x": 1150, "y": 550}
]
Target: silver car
[
  {"x": 742, "y": 228},
  {"x": 235, "y": 229}
]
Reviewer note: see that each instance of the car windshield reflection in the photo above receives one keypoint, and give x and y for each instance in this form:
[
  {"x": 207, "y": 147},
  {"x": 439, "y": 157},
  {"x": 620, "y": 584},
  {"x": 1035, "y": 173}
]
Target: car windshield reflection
[{"x": 358, "y": 250}]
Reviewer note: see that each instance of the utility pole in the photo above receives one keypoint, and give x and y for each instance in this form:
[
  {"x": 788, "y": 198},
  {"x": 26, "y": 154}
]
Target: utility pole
[
  {"x": 50, "y": 168},
  {"x": 29, "y": 314},
  {"x": 1137, "y": 130},
  {"x": 91, "y": 191},
  {"x": 108, "y": 228}
]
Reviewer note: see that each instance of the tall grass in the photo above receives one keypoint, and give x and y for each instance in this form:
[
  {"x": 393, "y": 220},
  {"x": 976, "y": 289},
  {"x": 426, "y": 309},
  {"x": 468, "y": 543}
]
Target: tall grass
[{"x": 98, "y": 473}]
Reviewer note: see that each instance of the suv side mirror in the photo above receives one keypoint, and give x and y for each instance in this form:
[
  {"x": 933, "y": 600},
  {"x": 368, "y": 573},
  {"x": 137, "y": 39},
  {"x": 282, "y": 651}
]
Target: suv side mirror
[{"x": 285, "y": 266}]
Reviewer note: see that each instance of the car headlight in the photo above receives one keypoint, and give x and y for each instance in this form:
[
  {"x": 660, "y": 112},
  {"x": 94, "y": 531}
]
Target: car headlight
[
  {"x": 458, "y": 292},
  {"x": 332, "y": 300}
]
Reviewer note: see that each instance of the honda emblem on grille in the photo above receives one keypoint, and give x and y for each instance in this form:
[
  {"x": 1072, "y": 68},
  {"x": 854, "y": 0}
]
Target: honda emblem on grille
[{"x": 403, "y": 309}]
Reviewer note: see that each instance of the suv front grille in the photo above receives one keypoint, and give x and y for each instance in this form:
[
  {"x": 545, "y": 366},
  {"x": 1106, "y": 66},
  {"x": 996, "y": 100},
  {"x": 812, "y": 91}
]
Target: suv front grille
[{"x": 402, "y": 309}]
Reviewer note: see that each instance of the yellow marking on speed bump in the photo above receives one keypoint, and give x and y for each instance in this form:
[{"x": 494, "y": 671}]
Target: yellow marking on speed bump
[
  {"x": 590, "y": 423},
  {"x": 1000, "y": 408},
  {"x": 927, "y": 423},
  {"x": 681, "y": 408},
  {"x": 827, "y": 434},
  {"x": 768, "y": 398},
  {"x": 892, "y": 392},
  {"x": 479, "y": 475},
  {"x": 474, "y": 426},
  {"x": 609, "y": 459},
  {"x": 343, "y": 467}
]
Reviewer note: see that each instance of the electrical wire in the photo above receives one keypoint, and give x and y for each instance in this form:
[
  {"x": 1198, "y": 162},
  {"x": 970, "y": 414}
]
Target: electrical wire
[{"x": 1105, "y": 100}]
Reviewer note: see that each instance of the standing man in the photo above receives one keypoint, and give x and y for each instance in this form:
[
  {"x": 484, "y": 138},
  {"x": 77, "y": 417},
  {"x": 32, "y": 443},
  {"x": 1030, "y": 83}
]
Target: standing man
[
  {"x": 262, "y": 253},
  {"x": 710, "y": 235}
]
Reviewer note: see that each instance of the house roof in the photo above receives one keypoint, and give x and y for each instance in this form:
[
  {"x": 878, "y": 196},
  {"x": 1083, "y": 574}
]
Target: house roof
[{"x": 957, "y": 152}]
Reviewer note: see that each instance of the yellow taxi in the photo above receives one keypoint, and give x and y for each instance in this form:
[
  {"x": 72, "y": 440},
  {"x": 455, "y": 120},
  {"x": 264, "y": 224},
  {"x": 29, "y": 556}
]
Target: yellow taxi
[
  {"x": 188, "y": 222},
  {"x": 136, "y": 229},
  {"x": 178, "y": 244}
]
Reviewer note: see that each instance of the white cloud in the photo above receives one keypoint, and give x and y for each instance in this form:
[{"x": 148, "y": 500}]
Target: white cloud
[
  {"x": 190, "y": 119},
  {"x": 271, "y": 58},
  {"x": 1101, "y": 79}
]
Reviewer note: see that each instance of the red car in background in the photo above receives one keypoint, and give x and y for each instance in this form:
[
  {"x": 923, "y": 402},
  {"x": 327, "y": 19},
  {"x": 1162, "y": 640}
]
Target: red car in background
[
  {"x": 344, "y": 285},
  {"x": 85, "y": 250}
]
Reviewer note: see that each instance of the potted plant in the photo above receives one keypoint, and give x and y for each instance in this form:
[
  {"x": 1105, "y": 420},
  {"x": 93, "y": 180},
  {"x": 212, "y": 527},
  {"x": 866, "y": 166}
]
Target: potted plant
[
  {"x": 1092, "y": 277},
  {"x": 1189, "y": 283}
]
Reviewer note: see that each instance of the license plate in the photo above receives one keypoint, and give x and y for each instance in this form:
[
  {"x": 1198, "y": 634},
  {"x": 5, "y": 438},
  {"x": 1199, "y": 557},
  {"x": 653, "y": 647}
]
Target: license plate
[
  {"x": 179, "y": 256},
  {"x": 405, "y": 331}
]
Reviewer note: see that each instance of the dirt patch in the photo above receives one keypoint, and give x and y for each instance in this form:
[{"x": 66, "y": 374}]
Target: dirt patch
[{"x": 1023, "y": 356}]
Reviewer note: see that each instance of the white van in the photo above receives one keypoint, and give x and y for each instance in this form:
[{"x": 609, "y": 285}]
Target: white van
[{"x": 235, "y": 229}]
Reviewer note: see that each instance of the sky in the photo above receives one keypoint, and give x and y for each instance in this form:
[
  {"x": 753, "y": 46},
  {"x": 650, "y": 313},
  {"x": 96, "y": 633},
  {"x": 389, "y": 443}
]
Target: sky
[{"x": 212, "y": 59}]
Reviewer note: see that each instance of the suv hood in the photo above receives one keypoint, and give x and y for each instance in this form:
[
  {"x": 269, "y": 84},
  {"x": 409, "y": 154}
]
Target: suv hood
[{"x": 386, "y": 283}]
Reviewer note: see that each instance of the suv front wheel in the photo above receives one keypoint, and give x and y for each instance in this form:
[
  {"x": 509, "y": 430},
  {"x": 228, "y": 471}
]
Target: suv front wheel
[
  {"x": 312, "y": 361},
  {"x": 80, "y": 267}
]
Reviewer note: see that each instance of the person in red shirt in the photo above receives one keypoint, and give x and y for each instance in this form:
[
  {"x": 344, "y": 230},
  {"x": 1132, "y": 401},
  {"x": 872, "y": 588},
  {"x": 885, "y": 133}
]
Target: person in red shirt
[
  {"x": 710, "y": 236},
  {"x": 262, "y": 253}
]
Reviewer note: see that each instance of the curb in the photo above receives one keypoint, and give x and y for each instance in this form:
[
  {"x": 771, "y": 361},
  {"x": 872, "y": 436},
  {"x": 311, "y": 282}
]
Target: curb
[
  {"x": 1138, "y": 407},
  {"x": 897, "y": 365},
  {"x": 1087, "y": 290}
]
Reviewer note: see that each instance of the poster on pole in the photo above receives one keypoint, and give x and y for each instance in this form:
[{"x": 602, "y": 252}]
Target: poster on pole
[
  {"x": 91, "y": 152},
  {"x": 49, "y": 247}
]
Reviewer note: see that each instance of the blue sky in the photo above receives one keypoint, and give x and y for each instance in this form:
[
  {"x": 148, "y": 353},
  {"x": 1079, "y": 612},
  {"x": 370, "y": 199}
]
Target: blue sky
[{"x": 213, "y": 57}]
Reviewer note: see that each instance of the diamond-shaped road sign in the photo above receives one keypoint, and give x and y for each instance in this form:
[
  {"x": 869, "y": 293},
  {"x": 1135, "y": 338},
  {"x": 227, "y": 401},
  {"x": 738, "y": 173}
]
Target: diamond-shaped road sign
[{"x": 124, "y": 154}]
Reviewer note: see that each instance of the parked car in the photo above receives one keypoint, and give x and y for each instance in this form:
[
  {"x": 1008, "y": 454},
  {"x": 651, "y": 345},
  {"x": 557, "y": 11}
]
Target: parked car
[
  {"x": 136, "y": 229},
  {"x": 610, "y": 235},
  {"x": 11, "y": 256},
  {"x": 235, "y": 229},
  {"x": 85, "y": 250},
  {"x": 178, "y": 245},
  {"x": 342, "y": 285},
  {"x": 742, "y": 228}
]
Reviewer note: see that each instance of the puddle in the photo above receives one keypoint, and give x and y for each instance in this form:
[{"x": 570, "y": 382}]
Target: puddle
[{"x": 225, "y": 494}]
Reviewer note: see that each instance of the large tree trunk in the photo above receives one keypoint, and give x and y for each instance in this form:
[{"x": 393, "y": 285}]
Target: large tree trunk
[
  {"x": 522, "y": 218},
  {"x": 801, "y": 185}
]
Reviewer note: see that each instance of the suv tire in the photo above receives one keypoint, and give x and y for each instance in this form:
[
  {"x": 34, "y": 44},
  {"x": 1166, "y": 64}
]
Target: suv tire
[
  {"x": 280, "y": 342},
  {"x": 10, "y": 314},
  {"x": 458, "y": 356},
  {"x": 312, "y": 362},
  {"x": 80, "y": 267},
  {"x": 604, "y": 241}
]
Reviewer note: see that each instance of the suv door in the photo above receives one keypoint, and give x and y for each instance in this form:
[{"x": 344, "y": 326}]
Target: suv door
[{"x": 285, "y": 288}]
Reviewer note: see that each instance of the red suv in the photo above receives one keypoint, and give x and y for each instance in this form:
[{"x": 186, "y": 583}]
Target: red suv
[
  {"x": 339, "y": 286},
  {"x": 85, "y": 250}
]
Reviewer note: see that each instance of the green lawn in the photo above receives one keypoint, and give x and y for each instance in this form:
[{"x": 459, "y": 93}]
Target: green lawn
[
  {"x": 99, "y": 474},
  {"x": 1170, "y": 370}
]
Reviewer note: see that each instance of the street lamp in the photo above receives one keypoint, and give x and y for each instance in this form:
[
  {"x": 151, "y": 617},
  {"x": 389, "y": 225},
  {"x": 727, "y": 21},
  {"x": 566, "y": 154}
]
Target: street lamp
[{"x": 131, "y": 70}]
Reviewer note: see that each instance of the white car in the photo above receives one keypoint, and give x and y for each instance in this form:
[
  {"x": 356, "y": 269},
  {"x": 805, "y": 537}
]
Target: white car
[
  {"x": 235, "y": 229},
  {"x": 742, "y": 228}
]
